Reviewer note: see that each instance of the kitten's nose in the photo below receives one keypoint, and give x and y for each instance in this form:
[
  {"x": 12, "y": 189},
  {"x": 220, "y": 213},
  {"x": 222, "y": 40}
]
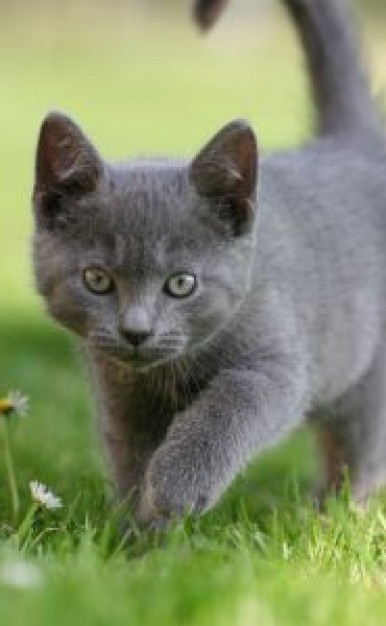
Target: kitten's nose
[
  {"x": 135, "y": 325},
  {"x": 137, "y": 337}
]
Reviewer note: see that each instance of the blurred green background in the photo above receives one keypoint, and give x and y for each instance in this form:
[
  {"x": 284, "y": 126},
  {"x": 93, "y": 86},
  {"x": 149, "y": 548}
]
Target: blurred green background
[{"x": 140, "y": 79}]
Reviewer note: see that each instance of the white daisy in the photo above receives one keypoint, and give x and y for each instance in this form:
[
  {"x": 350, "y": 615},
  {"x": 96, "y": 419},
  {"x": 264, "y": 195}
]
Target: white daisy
[
  {"x": 15, "y": 402},
  {"x": 43, "y": 496}
]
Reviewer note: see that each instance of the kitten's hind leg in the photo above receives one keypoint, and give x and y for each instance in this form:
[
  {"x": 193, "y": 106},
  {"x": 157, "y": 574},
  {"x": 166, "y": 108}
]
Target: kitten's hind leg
[{"x": 354, "y": 437}]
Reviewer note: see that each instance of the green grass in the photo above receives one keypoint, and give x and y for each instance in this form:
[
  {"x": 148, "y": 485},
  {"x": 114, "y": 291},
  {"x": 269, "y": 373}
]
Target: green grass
[{"x": 264, "y": 555}]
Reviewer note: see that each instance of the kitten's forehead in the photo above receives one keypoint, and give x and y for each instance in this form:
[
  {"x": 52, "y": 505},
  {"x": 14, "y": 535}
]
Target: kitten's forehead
[
  {"x": 146, "y": 211},
  {"x": 149, "y": 192}
]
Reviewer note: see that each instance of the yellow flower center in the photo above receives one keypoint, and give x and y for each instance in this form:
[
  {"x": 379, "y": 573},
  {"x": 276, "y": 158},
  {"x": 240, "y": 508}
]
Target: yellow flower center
[{"x": 6, "y": 406}]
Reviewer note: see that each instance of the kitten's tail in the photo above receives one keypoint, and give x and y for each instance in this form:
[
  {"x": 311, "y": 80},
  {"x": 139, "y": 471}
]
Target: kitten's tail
[{"x": 339, "y": 82}]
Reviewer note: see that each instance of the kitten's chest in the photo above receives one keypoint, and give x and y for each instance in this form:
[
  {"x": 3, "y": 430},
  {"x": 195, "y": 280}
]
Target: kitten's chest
[{"x": 174, "y": 387}]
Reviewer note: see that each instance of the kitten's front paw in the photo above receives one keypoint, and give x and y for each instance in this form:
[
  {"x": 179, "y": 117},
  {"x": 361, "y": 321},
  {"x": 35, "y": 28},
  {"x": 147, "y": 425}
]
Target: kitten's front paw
[{"x": 173, "y": 488}]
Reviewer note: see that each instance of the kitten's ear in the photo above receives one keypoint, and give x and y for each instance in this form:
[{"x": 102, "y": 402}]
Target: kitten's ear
[
  {"x": 66, "y": 162},
  {"x": 226, "y": 169}
]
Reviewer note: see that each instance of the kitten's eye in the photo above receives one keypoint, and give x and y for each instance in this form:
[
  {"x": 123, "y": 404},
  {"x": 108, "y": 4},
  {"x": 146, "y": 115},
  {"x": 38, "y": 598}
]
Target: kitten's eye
[
  {"x": 180, "y": 285},
  {"x": 97, "y": 280}
]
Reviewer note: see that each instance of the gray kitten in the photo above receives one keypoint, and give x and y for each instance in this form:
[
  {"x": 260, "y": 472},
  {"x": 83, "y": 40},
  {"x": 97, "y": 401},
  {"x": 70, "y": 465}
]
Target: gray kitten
[{"x": 221, "y": 301}]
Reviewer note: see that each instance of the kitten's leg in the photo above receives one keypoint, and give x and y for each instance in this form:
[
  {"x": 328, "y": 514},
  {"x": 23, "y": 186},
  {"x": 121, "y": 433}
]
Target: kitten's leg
[
  {"x": 239, "y": 414},
  {"x": 128, "y": 449},
  {"x": 132, "y": 422},
  {"x": 334, "y": 462},
  {"x": 355, "y": 437}
]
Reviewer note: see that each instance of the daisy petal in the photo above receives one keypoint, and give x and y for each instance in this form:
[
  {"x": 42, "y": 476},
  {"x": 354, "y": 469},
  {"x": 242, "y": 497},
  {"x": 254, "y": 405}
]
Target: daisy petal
[{"x": 43, "y": 496}]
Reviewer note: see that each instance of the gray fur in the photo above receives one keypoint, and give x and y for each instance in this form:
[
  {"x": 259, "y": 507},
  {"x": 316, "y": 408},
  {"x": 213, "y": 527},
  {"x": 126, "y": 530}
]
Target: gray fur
[{"x": 289, "y": 315}]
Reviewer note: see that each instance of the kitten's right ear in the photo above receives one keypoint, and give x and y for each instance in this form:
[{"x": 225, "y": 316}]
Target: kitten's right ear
[
  {"x": 226, "y": 171},
  {"x": 66, "y": 162}
]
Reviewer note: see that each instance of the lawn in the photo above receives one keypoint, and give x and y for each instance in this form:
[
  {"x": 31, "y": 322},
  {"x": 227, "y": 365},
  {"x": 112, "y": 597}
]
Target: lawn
[{"x": 264, "y": 555}]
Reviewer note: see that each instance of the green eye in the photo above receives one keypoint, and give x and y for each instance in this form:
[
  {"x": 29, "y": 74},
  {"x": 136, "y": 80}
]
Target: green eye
[
  {"x": 180, "y": 285},
  {"x": 97, "y": 280}
]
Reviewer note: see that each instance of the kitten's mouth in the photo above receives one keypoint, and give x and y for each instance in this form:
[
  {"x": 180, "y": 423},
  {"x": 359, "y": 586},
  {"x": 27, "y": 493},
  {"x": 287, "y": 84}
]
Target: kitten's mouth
[
  {"x": 139, "y": 359},
  {"x": 141, "y": 363},
  {"x": 136, "y": 360}
]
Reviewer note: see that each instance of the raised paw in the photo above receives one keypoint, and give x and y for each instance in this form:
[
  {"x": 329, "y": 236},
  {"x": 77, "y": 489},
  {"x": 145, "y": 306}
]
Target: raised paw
[{"x": 173, "y": 488}]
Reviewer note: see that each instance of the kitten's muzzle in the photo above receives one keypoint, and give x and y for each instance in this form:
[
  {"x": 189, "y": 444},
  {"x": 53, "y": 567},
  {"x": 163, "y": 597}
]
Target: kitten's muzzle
[{"x": 136, "y": 337}]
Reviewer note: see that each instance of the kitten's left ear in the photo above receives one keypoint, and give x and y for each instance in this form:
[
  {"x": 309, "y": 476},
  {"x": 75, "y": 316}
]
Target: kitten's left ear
[
  {"x": 66, "y": 161},
  {"x": 227, "y": 169}
]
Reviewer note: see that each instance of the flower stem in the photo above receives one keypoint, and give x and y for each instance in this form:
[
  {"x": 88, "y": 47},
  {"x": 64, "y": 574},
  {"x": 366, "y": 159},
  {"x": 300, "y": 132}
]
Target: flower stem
[
  {"x": 10, "y": 468},
  {"x": 26, "y": 525}
]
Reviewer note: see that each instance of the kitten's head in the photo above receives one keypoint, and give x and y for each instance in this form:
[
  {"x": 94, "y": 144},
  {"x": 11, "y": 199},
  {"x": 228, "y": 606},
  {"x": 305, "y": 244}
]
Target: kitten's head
[{"x": 147, "y": 260}]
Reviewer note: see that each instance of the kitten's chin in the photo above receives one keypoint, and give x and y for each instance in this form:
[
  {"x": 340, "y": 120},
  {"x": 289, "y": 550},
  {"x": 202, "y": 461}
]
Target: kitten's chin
[{"x": 137, "y": 362}]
